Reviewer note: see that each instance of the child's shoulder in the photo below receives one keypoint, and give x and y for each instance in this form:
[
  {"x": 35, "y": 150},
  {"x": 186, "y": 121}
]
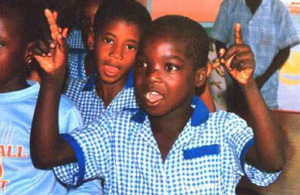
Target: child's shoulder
[
  {"x": 223, "y": 115},
  {"x": 221, "y": 126},
  {"x": 223, "y": 120},
  {"x": 66, "y": 103},
  {"x": 69, "y": 115},
  {"x": 75, "y": 84},
  {"x": 118, "y": 119}
]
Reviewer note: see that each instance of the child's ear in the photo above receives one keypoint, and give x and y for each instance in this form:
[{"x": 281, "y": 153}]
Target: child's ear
[
  {"x": 28, "y": 55},
  {"x": 91, "y": 40},
  {"x": 201, "y": 75}
]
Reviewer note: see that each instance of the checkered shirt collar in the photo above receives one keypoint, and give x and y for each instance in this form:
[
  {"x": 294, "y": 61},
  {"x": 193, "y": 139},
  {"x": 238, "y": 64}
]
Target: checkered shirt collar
[
  {"x": 199, "y": 116},
  {"x": 89, "y": 85}
]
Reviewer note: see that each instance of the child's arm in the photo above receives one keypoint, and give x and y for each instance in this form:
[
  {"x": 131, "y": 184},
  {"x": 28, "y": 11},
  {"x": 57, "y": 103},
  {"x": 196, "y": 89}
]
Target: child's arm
[
  {"x": 47, "y": 148},
  {"x": 268, "y": 151},
  {"x": 277, "y": 62}
]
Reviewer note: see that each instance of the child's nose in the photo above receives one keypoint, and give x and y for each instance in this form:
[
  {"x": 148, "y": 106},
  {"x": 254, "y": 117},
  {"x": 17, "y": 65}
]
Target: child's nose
[
  {"x": 154, "y": 75},
  {"x": 117, "y": 52}
]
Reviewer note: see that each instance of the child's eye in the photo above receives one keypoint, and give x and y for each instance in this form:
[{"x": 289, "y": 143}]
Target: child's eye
[
  {"x": 171, "y": 67},
  {"x": 108, "y": 40},
  {"x": 131, "y": 47}
]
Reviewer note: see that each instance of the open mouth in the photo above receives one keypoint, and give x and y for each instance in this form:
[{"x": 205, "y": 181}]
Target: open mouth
[
  {"x": 111, "y": 70},
  {"x": 153, "y": 97}
]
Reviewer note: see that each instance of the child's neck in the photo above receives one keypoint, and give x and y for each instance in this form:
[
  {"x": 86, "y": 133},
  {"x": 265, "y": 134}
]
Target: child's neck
[
  {"x": 14, "y": 85},
  {"x": 166, "y": 129},
  {"x": 107, "y": 92}
]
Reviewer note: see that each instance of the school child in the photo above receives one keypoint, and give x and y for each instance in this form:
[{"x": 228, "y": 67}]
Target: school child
[
  {"x": 17, "y": 103},
  {"x": 81, "y": 43},
  {"x": 118, "y": 27},
  {"x": 172, "y": 144}
]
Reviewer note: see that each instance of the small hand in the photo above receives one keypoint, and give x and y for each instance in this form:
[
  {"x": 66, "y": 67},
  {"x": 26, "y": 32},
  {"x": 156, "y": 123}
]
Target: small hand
[
  {"x": 239, "y": 59},
  {"x": 55, "y": 60}
]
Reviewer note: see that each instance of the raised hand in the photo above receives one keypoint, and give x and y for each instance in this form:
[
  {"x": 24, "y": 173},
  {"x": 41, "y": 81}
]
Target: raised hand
[
  {"x": 239, "y": 59},
  {"x": 55, "y": 60}
]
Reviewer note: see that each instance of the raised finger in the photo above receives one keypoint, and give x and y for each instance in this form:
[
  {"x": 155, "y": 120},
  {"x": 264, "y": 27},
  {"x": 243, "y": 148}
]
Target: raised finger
[
  {"x": 55, "y": 14},
  {"x": 54, "y": 29},
  {"x": 61, "y": 40},
  {"x": 65, "y": 33},
  {"x": 238, "y": 34}
]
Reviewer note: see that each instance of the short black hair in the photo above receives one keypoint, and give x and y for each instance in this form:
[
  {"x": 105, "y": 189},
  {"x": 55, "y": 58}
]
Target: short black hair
[
  {"x": 22, "y": 14},
  {"x": 185, "y": 31},
  {"x": 127, "y": 10}
]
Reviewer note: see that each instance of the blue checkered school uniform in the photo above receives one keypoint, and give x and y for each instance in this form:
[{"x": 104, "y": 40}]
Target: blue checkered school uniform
[
  {"x": 207, "y": 157},
  {"x": 268, "y": 30},
  {"x": 90, "y": 105},
  {"x": 76, "y": 56}
]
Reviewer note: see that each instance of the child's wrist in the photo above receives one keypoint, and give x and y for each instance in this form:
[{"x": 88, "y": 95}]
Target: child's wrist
[
  {"x": 54, "y": 78},
  {"x": 249, "y": 85}
]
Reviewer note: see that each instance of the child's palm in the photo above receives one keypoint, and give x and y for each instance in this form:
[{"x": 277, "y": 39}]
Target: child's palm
[{"x": 53, "y": 63}]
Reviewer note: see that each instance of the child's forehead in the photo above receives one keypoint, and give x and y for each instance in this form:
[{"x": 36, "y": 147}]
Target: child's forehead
[
  {"x": 121, "y": 22},
  {"x": 7, "y": 24},
  {"x": 166, "y": 39}
]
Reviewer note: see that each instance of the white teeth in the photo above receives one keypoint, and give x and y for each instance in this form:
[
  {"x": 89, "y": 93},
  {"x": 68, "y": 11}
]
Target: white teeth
[
  {"x": 151, "y": 93},
  {"x": 153, "y": 96},
  {"x": 154, "y": 93}
]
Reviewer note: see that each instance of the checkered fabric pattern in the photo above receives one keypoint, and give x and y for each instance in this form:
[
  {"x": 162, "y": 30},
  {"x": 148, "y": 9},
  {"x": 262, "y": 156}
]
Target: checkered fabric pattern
[
  {"x": 75, "y": 40},
  {"x": 86, "y": 99},
  {"x": 207, "y": 158},
  {"x": 268, "y": 30},
  {"x": 77, "y": 53}
]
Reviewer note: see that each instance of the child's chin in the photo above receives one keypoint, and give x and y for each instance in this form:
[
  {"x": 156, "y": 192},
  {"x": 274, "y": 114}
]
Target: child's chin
[{"x": 154, "y": 112}]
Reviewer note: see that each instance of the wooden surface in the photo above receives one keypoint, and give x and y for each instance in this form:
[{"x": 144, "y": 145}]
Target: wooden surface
[{"x": 288, "y": 183}]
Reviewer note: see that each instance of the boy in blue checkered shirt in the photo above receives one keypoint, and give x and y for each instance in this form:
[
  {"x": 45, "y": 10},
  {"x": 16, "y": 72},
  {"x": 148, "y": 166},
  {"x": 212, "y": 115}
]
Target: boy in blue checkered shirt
[
  {"x": 172, "y": 144},
  {"x": 118, "y": 26},
  {"x": 80, "y": 41}
]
